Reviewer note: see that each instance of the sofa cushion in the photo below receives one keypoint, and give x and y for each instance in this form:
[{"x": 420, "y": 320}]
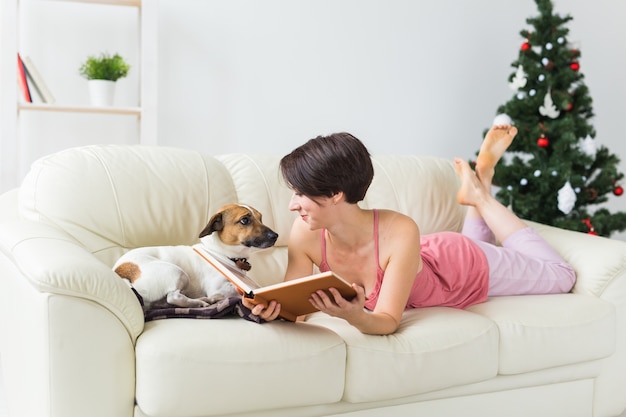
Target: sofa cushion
[
  {"x": 433, "y": 348},
  {"x": 232, "y": 365},
  {"x": 545, "y": 331}
]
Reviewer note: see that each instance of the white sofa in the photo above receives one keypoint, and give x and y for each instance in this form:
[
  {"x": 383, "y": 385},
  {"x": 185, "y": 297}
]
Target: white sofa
[{"x": 74, "y": 342}]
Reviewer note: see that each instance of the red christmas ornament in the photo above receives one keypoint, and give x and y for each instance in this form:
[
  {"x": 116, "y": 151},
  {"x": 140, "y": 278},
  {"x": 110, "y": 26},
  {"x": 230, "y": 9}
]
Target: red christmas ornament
[
  {"x": 543, "y": 142},
  {"x": 525, "y": 46},
  {"x": 618, "y": 191},
  {"x": 569, "y": 107},
  {"x": 575, "y": 66},
  {"x": 587, "y": 223}
]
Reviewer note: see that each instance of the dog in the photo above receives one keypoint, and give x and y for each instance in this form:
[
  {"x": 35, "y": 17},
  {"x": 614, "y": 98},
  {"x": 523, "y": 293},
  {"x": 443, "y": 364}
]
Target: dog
[{"x": 166, "y": 276}]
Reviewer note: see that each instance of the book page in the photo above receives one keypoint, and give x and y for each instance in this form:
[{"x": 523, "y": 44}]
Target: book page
[{"x": 239, "y": 279}]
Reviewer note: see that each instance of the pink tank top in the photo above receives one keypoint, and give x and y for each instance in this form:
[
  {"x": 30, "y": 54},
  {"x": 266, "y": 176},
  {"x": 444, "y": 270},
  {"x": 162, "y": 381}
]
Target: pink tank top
[{"x": 454, "y": 271}]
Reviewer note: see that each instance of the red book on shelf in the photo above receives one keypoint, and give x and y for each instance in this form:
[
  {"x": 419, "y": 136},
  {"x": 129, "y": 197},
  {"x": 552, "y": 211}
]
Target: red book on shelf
[{"x": 21, "y": 79}]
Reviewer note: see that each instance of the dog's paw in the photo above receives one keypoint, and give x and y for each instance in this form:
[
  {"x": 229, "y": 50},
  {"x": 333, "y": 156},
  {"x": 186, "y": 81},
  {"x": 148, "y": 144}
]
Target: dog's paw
[
  {"x": 214, "y": 298},
  {"x": 198, "y": 303}
]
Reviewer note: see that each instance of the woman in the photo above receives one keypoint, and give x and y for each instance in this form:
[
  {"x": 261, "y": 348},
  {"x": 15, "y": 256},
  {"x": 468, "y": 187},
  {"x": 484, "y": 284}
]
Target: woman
[{"x": 382, "y": 253}]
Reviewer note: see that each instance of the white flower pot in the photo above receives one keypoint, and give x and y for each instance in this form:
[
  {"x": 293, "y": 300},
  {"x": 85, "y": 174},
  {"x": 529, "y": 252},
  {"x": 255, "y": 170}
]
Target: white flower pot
[{"x": 101, "y": 92}]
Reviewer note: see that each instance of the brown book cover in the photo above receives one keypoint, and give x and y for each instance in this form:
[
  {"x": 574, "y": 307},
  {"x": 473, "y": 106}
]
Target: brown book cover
[{"x": 292, "y": 295}]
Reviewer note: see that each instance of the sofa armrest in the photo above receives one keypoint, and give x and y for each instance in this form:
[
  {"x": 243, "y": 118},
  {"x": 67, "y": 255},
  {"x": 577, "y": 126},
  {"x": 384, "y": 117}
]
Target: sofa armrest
[
  {"x": 52, "y": 261},
  {"x": 600, "y": 262}
]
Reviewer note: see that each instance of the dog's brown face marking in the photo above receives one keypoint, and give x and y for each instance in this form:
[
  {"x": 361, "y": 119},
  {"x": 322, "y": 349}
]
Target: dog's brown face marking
[
  {"x": 129, "y": 271},
  {"x": 240, "y": 225}
]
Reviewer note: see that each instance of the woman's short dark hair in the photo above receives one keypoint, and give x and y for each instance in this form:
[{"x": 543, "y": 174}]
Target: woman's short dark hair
[{"x": 326, "y": 165}]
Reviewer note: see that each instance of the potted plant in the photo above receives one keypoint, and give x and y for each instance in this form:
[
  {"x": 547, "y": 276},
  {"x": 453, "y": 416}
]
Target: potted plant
[{"x": 102, "y": 72}]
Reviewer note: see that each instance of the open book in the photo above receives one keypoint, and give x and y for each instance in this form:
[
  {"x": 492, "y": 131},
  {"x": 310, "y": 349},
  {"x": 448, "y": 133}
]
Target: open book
[{"x": 293, "y": 295}]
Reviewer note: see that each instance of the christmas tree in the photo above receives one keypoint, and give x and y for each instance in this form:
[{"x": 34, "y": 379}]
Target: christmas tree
[{"x": 554, "y": 172}]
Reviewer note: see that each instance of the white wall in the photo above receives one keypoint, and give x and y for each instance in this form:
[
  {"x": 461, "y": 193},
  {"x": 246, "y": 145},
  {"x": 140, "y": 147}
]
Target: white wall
[{"x": 405, "y": 76}]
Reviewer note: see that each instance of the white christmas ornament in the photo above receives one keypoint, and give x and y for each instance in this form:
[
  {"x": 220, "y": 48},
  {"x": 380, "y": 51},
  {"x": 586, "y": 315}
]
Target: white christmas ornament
[
  {"x": 588, "y": 146},
  {"x": 593, "y": 176},
  {"x": 519, "y": 80},
  {"x": 549, "y": 109},
  {"x": 502, "y": 119},
  {"x": 566, "y": 198}
]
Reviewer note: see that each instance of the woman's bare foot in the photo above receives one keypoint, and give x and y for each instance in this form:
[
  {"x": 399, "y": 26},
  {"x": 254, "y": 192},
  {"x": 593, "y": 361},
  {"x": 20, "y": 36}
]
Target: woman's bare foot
[
  {"x": 472, "y": 190},
  {"x": 502, "y": 221},
  {"x": 496, "y": 142}
]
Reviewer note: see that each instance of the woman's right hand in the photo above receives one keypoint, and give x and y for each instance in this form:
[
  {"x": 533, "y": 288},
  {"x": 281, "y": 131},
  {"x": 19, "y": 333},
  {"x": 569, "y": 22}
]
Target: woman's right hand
[{"x": 267, "y": 313}]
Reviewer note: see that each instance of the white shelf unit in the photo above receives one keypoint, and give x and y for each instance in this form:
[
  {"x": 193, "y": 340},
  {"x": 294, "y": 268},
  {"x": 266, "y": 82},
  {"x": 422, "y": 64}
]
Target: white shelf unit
[{"x": 11, "y": 107}]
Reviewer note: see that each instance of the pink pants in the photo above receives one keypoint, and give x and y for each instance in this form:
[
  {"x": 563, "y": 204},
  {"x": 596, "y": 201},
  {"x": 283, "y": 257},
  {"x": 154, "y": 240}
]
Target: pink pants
[{"x": 524, "y": 264}]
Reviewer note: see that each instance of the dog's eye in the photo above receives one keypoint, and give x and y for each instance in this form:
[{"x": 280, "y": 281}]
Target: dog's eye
[{"x": 245, "y": 220}]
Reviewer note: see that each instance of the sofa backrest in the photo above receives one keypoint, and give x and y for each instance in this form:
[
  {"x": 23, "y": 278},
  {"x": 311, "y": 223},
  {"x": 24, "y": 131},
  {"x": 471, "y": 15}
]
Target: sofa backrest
[
  {"x": 111, "y": 198},
  {"x": 114, "y": 197}
]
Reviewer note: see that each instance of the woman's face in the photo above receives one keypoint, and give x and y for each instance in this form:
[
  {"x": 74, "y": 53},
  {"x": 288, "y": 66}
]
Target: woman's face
[{"x": 312, "y": 212}]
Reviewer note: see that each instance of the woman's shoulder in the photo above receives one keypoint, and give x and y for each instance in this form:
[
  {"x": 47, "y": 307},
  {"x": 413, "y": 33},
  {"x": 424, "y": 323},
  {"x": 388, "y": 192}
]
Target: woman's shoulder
[
  {"x": 394, "y": 226},
  {"x": 395, "y": 219}
]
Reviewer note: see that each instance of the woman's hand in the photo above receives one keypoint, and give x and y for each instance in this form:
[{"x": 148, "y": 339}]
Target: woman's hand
[
  {"x": 337, "y": 306},
  {"x": 268, "y": 313}
]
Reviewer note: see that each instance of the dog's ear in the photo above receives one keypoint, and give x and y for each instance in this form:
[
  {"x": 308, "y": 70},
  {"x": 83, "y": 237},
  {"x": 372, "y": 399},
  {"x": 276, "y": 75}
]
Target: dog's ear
[{"x": 216, "y": 224}]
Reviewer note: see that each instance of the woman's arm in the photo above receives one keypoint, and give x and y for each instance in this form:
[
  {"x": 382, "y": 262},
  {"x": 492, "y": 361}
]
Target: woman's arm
[
  {"x": 302, "y": 242},
  {"x": 301, "y": 239}
]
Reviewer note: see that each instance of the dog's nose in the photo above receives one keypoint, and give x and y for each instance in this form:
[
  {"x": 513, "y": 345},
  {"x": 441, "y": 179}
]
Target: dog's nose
[
  {"x": 272, "y": 235},
  {"x": 266, "y": 239}
]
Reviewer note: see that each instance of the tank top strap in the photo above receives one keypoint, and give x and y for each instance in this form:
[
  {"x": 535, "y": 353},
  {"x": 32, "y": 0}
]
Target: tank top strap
[
  {"x": 379, "y": 271},
  {"x": 376, "y": 237},
  {"x": 323, "y": 266}
]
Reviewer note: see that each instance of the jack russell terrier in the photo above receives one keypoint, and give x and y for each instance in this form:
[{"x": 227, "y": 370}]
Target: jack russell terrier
[{"x": 177, "y": 275}]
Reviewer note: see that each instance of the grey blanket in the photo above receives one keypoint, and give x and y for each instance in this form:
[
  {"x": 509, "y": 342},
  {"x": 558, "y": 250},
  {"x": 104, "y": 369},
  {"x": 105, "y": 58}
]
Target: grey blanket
[{"x": 228, "y": 307}]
